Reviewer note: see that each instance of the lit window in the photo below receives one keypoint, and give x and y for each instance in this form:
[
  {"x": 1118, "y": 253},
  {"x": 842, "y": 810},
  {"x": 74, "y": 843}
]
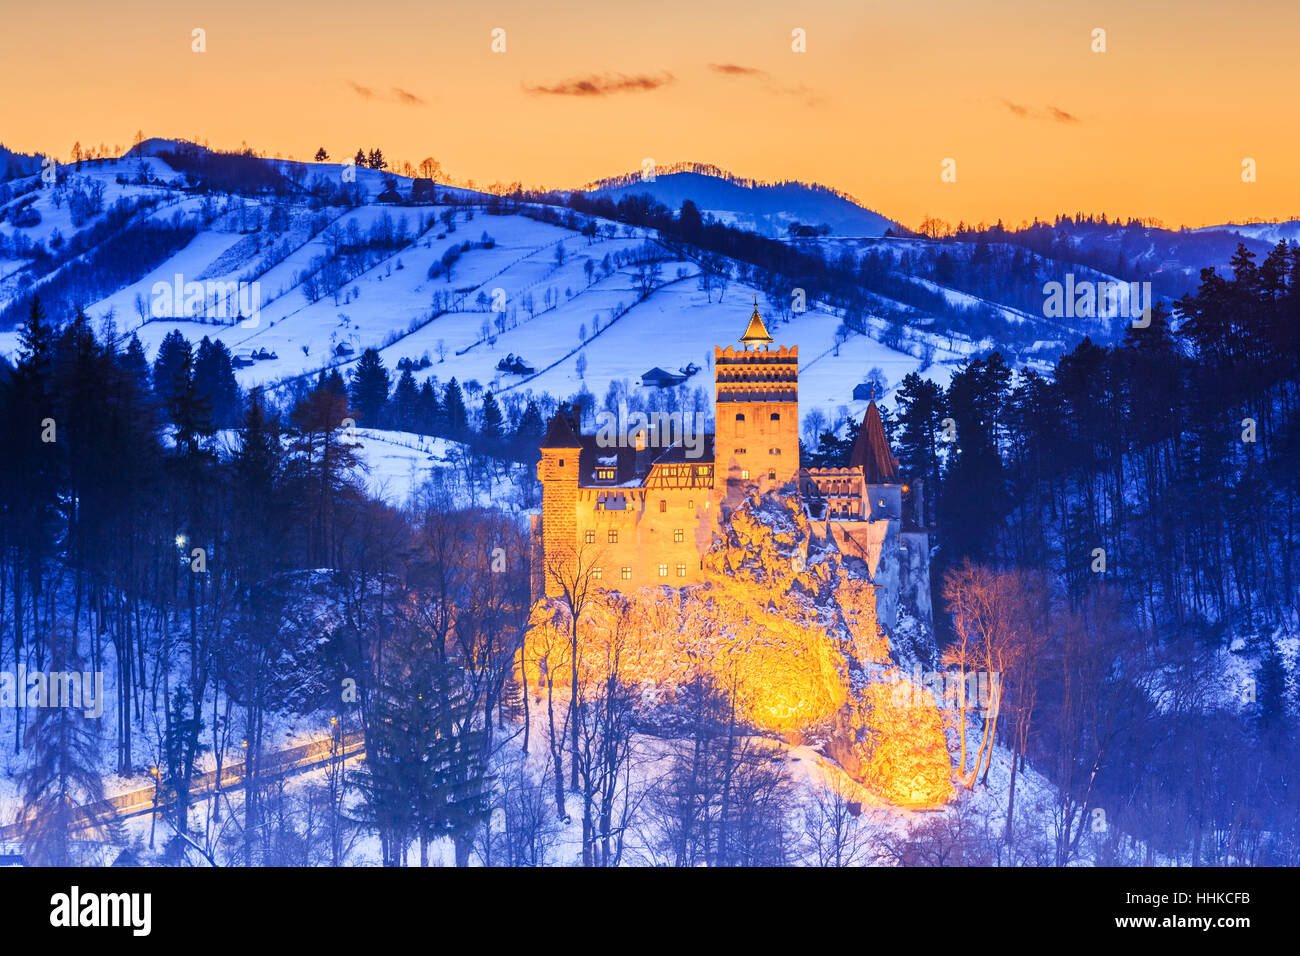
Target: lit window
[
  {"x": 613, "y": 537},
  {"x": 681, "y": 570},
  {"x": 590, "y": 537},
  {"x": 663, "y": 570},
  {"x": 663, "y": 505},
  {"x": 597, "y": 573},
  {"x": 626, "y": 573},
  {"x": 744, "y": 473},
  {"x": 691, "y": 504},
  {"x": 604, "y": 474},
  {"x": 679, "y": 535}
]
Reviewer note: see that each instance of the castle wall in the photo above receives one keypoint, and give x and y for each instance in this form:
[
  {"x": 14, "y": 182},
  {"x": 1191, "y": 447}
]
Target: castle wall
[{"x": 646, "y": 535}]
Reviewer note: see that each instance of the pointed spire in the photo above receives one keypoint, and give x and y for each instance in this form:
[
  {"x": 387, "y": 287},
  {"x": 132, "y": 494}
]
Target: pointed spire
[
  {"x": 871, "y": 451},
  {"x": 756, "y": 331},
  {"x": 560, "y": 433}
]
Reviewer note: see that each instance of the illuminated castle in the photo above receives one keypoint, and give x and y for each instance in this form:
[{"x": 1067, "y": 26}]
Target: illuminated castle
[{"x": 641, "y": 510}]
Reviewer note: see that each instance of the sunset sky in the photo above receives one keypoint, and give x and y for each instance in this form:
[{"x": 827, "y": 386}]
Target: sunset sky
[{"x": 1158, "y": 125}]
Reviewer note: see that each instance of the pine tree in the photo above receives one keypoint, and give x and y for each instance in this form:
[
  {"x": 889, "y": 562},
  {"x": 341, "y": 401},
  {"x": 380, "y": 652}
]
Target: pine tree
[
  {"x": 406, "y": 400},
  {"x": 529, "y": 434},
  {"x": 493, "y": 421},
  {"x": 321, "y": 155},
  {"x": 61, "y": 776},
  {"x": 173, "y": 355},
  {"x": 428, "y": 411},
  {"x": 214, "y": 382},
  {"x": 370, "y": 384},
  {"x": 455, "y": 415}
]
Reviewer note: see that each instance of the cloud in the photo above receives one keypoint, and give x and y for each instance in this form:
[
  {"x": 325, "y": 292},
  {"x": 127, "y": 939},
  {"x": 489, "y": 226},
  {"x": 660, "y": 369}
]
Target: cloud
[
  {"x": 394, "y": 95},
  {"x": 811, "y": 98},
  {"x": 604, "y": 84},
  {"x": 404, "y": 96},
  {"x": 733, "y": 69},
  {"x": 1054, "y": 113}
]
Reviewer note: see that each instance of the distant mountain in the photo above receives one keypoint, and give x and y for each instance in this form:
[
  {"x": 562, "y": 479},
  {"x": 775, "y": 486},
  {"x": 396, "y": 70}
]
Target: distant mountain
[
  {"x": 766, "y": 208},
  {"x": 1270, "y": 232}
]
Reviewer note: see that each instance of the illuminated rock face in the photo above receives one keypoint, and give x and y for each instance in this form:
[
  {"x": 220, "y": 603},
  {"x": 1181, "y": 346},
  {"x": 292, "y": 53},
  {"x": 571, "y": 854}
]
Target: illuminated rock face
[
  {"x": 896, "y": 735},
  {"x": 783, "y": 625}
]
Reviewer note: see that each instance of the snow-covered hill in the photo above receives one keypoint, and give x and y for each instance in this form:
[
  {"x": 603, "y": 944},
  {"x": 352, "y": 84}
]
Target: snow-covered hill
[{"x": 766, "y": 208}]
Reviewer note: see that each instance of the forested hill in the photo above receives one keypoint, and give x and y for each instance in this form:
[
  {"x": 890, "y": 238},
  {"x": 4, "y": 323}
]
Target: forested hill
[{"x": 1137, "y": 507}]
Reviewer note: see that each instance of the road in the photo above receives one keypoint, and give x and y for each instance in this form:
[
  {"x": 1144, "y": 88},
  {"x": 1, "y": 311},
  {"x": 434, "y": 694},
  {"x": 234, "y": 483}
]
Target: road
[{"x": 284, "y": 763}]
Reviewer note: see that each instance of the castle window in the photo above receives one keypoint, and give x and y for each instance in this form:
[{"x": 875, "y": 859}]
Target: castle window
[
  {"x": 774, "y": 451},
  {"x": 771, "y": 474},
  {"x": 626, "y": 574},
  {"x": 681, "y": 570},
  {"x": 740, "y": 417},
  {"x": 561, "y": 462},
  {"x": 663, "y": 505},
  {"x": 776, "y": 416},
  {"x": 663, "y": 570},
  {"x": 739, "y": 451},
  {"x": 604, "y": 474},
  {"x": 597, "y": 573},
  {"x": 744, "y": 474},
  {"x": 679, "y": 535},
  {"x": 590, "y": 537},
  {"x": 613, "y": 537},
  {"x": 691, "y": 504}
]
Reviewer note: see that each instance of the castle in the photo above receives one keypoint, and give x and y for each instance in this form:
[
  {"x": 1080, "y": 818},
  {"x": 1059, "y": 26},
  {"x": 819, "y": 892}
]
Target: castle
[{"x": 643, "y": 512}]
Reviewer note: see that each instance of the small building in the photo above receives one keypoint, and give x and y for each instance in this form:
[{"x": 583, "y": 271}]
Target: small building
[{"x": 661, "y": 378}]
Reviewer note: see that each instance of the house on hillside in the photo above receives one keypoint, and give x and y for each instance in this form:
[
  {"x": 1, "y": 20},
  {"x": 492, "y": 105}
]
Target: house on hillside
[{"x": 661, "y": 378}]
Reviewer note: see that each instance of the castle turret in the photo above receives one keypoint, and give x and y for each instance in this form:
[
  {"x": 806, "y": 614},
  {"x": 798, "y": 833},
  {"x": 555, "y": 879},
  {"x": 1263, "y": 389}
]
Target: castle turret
[
  {"x": 757, "y": 411},
  {"x": 558, "y": 472}
]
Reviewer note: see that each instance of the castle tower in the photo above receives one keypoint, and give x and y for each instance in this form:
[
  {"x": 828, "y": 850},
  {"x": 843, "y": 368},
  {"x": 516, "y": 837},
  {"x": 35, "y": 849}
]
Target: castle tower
[
  {"x": 871, "y": 453},
  {"x": 756, "y": 396},
  {"x": 558, "y": 472}
]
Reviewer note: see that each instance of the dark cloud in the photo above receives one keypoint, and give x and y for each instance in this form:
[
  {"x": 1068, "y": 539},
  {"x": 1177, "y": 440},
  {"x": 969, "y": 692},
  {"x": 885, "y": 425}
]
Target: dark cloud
[
  {"x": 1049, "y": 113},
  {"x": 394, "y": 95},
  {"x": 403, "y": 96},
  {"x": 604, "y": 84},
  {"x": 734, "y": 69}
]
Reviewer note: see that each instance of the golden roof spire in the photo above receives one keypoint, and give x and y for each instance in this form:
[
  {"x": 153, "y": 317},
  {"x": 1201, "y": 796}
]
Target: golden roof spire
[{"x": 756, "y": 331}]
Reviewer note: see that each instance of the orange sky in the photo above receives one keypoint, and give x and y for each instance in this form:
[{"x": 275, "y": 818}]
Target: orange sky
[{"x": 1157, "y": 125}]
